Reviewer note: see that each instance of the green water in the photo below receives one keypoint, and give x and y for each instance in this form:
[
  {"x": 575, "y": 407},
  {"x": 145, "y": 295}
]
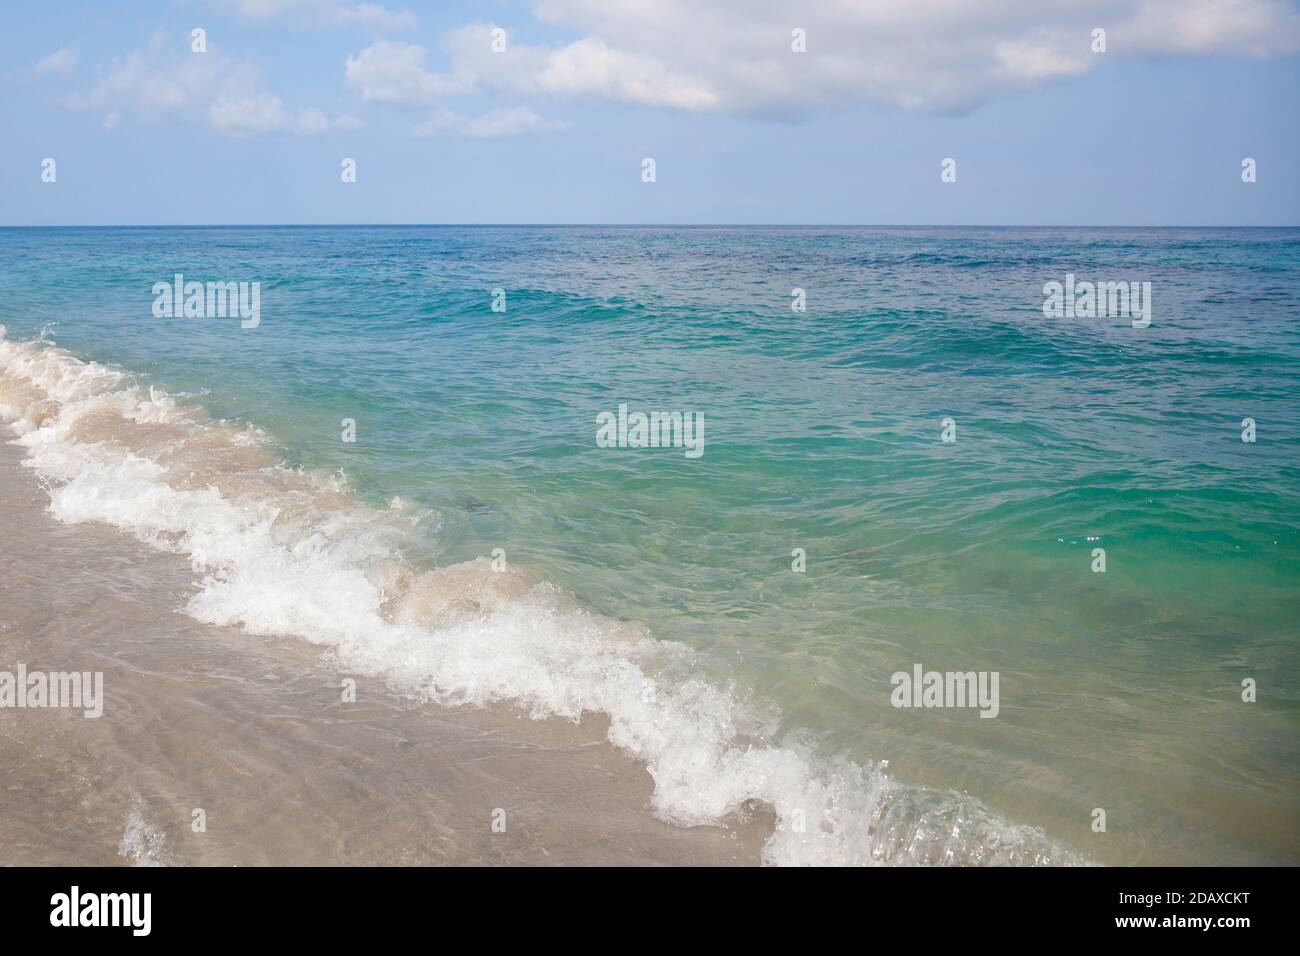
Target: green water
[{"x": 1119, "y": 690}]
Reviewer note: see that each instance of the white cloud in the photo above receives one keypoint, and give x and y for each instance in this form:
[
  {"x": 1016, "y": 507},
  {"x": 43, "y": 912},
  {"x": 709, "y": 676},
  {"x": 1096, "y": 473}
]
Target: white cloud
[
  {"x": 1252, "y": 28},
  {"x": 586, "y": 67},
  {"x": 392, "y": 72},
  {"x": 211, "y": 87},
  {"x": 151, "y": 83},
  {"x": 1032, "y": 61},
  {"x": 263, "y": 113},
  {"x": 516, "y": 121},
  {"x": 735, "y": 55},
  {"x": 329, "y": 13},
  {"x": 242, "y": 116},
  {"x": 60, "y": 61},
  {"x": 442, "y": 122}
]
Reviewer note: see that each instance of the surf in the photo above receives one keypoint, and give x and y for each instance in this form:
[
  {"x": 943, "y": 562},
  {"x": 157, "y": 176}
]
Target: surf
[{"x": 284, "y": 551}]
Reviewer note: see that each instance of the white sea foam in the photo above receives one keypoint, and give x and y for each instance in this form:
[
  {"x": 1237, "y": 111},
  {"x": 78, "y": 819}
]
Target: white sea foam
[
  {"x": 143, "y": 842},
  {"x": 285, "y": 552}
]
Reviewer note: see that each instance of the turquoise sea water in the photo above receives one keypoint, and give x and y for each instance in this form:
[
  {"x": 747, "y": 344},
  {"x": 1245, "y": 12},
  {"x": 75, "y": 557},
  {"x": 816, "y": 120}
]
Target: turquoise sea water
[{"x": 1119, "y": 690}]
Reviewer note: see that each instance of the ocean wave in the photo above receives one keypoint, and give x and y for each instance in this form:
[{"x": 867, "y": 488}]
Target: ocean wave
[{"x": 285, "y": 551}]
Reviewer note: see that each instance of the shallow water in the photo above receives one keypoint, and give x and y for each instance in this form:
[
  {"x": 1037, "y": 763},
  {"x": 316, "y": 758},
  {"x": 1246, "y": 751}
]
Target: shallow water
[
  {"x": 255, "y": 734},
  {"x": 476, "y": 431}
]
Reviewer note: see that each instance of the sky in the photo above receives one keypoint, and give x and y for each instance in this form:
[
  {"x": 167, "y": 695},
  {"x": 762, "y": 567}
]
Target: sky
[{"x": 544, "y": 111}]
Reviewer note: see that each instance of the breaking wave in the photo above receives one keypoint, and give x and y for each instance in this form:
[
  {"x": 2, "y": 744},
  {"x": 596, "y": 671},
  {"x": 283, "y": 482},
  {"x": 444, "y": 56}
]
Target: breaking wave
[{"x": 286, "y": 551}]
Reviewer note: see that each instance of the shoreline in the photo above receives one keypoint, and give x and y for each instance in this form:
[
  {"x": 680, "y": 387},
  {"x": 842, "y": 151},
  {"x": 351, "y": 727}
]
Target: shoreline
[
  {"x": 253, "y": 732},
  {"x": 287, "y": 558}
]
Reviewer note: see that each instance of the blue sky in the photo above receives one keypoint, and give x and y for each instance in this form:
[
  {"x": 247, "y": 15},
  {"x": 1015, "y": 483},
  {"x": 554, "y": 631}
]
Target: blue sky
[{"x": 742, "y": 128}]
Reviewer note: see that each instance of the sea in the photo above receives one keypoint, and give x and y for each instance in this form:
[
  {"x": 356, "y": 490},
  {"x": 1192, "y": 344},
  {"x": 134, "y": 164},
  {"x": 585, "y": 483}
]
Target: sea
[{"x": 877, "y": 454}]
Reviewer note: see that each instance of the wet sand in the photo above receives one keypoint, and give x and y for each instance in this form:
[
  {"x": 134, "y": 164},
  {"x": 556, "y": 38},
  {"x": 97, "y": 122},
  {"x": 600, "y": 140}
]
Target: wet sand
[{"x": 254, "y": 732}]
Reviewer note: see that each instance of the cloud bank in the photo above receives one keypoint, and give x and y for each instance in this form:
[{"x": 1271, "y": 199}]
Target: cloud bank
[{"x": 738, "y": 57}]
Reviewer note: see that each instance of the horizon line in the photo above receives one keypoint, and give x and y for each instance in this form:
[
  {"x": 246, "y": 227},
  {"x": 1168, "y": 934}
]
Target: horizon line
[{"x": 626, "y": 225}]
